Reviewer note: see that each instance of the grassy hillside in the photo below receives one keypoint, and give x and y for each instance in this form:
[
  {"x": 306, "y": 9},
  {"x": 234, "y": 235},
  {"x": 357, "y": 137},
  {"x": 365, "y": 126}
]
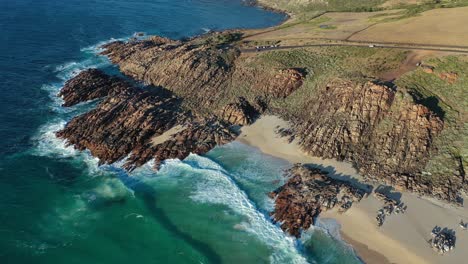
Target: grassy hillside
[{"x": 445, "y": 91}]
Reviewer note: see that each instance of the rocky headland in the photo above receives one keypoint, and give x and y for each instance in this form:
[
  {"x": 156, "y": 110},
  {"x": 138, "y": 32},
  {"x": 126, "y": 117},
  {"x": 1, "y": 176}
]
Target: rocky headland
[{"x": 207, "y": 86}]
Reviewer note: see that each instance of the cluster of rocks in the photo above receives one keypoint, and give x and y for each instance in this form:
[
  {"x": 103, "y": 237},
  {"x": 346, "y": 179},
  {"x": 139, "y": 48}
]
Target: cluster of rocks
[
  {"x": 192, "y": 69},
  {"x": 125, "y": 122},
  {"x": 390, "y": 207},
  {"x": 92, "y": 84},
  {"x": 307, "y": 192},
  {"x": 443, "y": 240}
]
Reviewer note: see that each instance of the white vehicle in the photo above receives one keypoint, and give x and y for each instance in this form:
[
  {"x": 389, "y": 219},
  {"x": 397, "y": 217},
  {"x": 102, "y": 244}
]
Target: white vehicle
[{"x": 371, "y": 45}]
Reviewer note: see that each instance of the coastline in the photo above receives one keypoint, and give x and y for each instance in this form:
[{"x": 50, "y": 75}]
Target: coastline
[{"x": 402, "y": 239}]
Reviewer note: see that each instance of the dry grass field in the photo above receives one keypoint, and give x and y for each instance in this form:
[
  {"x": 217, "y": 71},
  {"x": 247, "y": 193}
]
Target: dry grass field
[
  {"x": 333, "y": 25},
  {"x": 445, "y": 26}
]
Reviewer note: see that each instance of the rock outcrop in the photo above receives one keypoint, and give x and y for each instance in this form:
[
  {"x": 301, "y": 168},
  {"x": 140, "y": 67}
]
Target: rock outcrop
[
  {"x": 387, "y": 139},
  {"x": 92, "y": 84},
  {"x": 387, "y": 135},
  {"x": 124, "y": 124},
  {"x": 443, "y": 240},
  {"x": 284, "y": 83},
  {"x": 184, "y": 67},
  {"x": 239, "y": 113},
  {"x": 308, "y": 192}
]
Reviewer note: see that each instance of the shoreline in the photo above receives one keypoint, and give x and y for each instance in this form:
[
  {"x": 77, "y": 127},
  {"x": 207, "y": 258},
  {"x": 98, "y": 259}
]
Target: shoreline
[{"x": 402, "y": 239}]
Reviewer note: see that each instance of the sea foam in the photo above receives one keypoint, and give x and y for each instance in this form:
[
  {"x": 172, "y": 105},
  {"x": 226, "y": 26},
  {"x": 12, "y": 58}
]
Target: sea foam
[{"x": 215, "y": 185}]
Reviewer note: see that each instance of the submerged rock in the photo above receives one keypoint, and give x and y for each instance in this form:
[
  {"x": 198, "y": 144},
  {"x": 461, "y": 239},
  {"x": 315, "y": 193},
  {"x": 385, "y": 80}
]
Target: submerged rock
[{"x": 308, "y": 192}]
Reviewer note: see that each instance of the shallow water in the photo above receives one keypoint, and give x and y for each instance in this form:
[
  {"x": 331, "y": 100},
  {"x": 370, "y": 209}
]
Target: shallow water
[{"x": 58, "y": 206}]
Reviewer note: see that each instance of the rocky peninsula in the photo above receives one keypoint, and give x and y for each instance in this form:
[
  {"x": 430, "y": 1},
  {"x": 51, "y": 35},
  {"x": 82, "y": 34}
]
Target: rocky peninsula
[{"x": 206, "y": 86}]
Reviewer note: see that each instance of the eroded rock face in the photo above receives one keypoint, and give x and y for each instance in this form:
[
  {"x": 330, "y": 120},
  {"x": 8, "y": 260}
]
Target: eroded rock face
[
  {"x": 196, "y": 70},
  {"x": 308, "y": 192},
  {"x": 92, "y": 84},
  {"x": 239, "y": 113},
  {"x": 197, "y": 137},
  {"x": 124, "y": 124},
  {"x": 285, "y": 82},
  {"x": 343, "y": 118},
  {"x": 387, "y": 139}
]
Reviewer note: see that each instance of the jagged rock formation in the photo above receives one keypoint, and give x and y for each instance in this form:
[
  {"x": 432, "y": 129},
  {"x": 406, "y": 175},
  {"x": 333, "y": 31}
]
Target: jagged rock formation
[
  {"x": 284, "y": 83},
  {"x": 186, "y": 68},
  {"x": 239, "y": 113},
  {"x": 308, "y": 192},
  {"x": 386, "y": 134},
  {"x": 201, "y": 70},
  {"x": 124, "y": 124},
  {"x": 386, "y": 138},
  {"x": 92, "y": 84}
]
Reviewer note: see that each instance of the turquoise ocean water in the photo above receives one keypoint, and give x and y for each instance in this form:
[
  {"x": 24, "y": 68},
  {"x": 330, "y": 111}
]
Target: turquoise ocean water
[{"x": 58, "y": 206}]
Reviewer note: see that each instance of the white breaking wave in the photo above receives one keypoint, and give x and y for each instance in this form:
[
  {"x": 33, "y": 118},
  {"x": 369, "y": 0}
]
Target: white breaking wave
[
  {"x": 69, "y": 70},
  {"x": 47, "y": 144},
  {"x": 216, "y": 186}
]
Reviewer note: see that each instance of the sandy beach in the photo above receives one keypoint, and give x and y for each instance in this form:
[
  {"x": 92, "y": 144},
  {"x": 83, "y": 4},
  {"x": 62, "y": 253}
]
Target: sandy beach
[{"x": 402, "y": 239}]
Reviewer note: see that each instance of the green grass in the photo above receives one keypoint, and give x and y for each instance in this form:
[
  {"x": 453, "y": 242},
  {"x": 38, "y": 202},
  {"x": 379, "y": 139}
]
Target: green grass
[
  {"x": 450, "y": 100},
  {"x": 324, "y": 65},
  {"x": 329, "y": 5}
]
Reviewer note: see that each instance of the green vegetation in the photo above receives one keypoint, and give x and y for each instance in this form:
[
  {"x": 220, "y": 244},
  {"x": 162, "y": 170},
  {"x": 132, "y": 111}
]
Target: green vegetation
[
  {"x": 445, "y": 91},
  {"x": 308, "y": 9},
  {"x": 305, "y": 6},
  {"x": 322, "y": 66},
  {"x": 221, "y": 39}
]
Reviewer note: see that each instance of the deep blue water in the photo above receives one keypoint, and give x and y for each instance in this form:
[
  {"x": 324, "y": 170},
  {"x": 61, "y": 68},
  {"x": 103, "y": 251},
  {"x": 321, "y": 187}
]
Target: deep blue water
[{"x": 58, "y": 206}]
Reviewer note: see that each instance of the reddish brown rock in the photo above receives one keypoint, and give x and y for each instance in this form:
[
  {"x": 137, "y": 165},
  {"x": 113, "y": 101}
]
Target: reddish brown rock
[
  {"x": 308, "y": 192},
  {"x": 184, "y": 67},
  {"x": 124, "y": 124},
  {"x": 450, "y": 77},
  {"x": 197, "y": 137},
  {"x": 388, "y": 136},
  {"x": 239, "y": 113},
  {"x": 92, "y": 84},
  {"x": 388, "y": 140},
  {"x": 285, "y": 82}
]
